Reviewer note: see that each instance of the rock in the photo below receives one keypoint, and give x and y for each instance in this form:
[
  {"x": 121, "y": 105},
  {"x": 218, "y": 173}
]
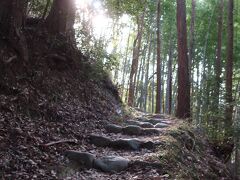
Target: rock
[
  {"x": 132, "y": 122},
  {"x": 146, "y": 125},
  {"x": 142, "y": 119},
  {"x": 99, "y": 140},
  {"x": 161, "y": 125},
  {"x": 148, "y": 145},
  {"x": 132, "y": 130},
  {"x": 150, "y": 131},
  {"x": 111, "y": 164},
  {"x": 80, "y": 159},
  {"x": 112, "y": 128},
  {"x": 139, "y": 123},
  {"x": 131, "y": 144},
  {"x": 158, "y": 116},
  {"x": 145, "y": 164},
  {"x": 154, "y": 121},
  {"x": 167, "y": 121}
]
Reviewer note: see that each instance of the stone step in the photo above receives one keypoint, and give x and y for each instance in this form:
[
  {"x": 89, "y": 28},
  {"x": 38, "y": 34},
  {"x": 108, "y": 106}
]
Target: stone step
[
  {"x": 156, "y": 116},
  {"x": 139, "y": 123},
  {"x": 154, "y": 121},
  {"x": 127, "y": 144},
  {"x": 83, "y": 160},
  {"x": 131, "y": 130}
]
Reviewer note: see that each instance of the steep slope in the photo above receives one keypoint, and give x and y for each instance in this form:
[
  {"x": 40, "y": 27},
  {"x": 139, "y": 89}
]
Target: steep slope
[
  {"x": 60, "y": 102},
  {"x": 58, "y": 94}
]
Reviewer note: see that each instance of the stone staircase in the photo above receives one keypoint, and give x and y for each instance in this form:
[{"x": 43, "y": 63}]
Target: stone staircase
[{"x": 119, "y": 148}]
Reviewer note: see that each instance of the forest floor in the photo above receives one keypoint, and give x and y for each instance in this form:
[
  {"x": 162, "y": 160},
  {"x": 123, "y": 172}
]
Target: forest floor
[
  {"x": 61, "y": 118},
  {"x": 154, "y": 147}
]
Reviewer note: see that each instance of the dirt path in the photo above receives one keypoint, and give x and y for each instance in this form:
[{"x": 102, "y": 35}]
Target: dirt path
[{"x": 119, "y": 151}]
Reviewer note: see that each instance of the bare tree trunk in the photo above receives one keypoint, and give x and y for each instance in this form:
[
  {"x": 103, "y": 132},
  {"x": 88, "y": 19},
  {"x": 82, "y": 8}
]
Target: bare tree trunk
[
  {"x": 45, "y": 10},
  {"x": 192, "y": 34},
  {"x": 12, "y": 16},
  {"x": 140, "y": 74},
  {"x": 138, "y": 82},
  {"x": 183, "y": 99},
  {"x": 125, "y": 66},
  {"x": 162, "y": 108},
  {"x": 203, "y": 82},
  {"x": 147, "y": 73},
  {"x": 169, "y": 78},
  {"x": 237, "y": 158},
  {"x": 116, "y": 44},
  {"x": 158, "y": 90},
  {"x": 218, "y": 70},
  {"x": 61, "y": 18},
  {"x": 141, "y": 99},
  {"x": 153, "y": 77},
  {"x": 229, "y": 70},
  {"x": 198, "y": 90},
  {"x": 174, "y": 94},
  {"x": 136, "y": 52},
  {"x": 191, "y": 49}
]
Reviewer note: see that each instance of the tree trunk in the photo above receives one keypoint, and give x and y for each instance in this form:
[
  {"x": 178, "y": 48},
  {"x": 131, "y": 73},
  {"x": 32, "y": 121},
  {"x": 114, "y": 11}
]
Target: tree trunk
[
  {"x": 198, "y": 94},
  {"x": 229, "y": 69},
  {"x": 141, "y": 99},
  {"x": 45, "y": 10},
  {"x": 134, "y": 67},
  {"x": 218, "y": 55},
  {"x": 153, "y": 77},
  {"x": 147, "y": 73},
  {"x": 192, "y": 33},
  {"x": 201, "y": 83},
  {"x": 158, "y": 90},
  {"x": 237, "y": 159},
  {"x": 191, "y": 49},
  {"x": 183, "y": 98},
  {"x": 138, "y": 79},
  {"x": 125, "y": 66},
  {"x": 162, "y": 108},
  {"x": 169, "y": 78},
  {"x": 61, "y": 18},
  {"x": 12, "y": 16}
]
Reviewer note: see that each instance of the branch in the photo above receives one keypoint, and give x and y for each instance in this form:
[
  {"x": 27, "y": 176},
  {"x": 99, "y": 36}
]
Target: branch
[
  {"x": 73, "y": 141},
  {"x": 10, "y": 59}
]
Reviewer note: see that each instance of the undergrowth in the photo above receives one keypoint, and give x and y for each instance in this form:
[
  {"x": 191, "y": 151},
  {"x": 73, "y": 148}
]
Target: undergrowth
[{"x": 186, "y": 154}]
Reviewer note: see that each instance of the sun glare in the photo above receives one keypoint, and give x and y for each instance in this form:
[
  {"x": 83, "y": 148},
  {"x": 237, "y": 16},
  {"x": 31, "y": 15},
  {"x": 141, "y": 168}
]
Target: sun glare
[
  {"x": 98, "y": 18},
  {"x": 82, "y": 4},
  {"x": 100, "y": 23}
]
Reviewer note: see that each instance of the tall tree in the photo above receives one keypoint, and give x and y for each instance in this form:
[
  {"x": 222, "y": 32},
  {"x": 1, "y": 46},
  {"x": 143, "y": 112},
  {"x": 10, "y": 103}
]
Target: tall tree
[
  {"x": 61, "y": 18},
  {"x": 192, "y": 48},
  {"x": 124, "y": 68},
  {"x": 158, "y": 90},
  {"x": 147, "y": 72},
  {"x": 169, "y": 77},
  {"x": 12, "y": 16},
  {"x": 183, "y": 98},
  {"x": 135, "y": 59},
  {"x": 192, "y": 33},
  {"x": 229, "y": 67},
  {"x": 218, "y": 54}
]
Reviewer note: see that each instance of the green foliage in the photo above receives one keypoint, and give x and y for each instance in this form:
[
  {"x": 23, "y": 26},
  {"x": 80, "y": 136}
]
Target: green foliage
[
  {"x": 96, "y": 51},
  {"x": 185, "y": 154},
  {"x": 36, "y": 7},
  {"x": 119, "y": 7}
]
